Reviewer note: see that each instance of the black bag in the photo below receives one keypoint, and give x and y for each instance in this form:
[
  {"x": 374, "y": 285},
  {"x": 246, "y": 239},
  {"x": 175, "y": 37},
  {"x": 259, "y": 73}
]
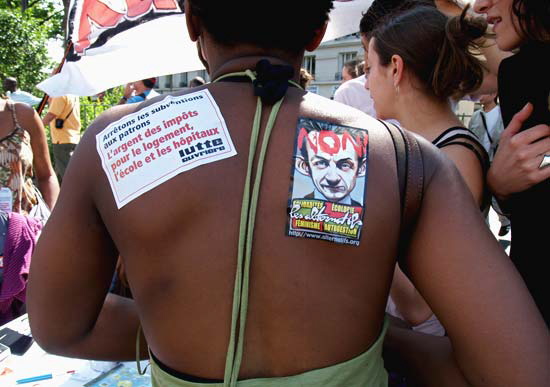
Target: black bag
[{"x": 59, "y": 122}]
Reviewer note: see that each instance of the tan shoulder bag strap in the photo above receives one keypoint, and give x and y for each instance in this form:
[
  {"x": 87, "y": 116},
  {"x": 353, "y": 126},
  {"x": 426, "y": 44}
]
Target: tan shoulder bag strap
[{"x": 410, "y": 174}]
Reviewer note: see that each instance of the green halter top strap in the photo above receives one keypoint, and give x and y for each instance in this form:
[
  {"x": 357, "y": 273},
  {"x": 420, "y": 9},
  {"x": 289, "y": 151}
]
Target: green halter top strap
[{"x": 246, "y": 234}]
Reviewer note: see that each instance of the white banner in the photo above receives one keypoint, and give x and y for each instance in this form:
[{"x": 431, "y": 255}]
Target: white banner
[{"x": 121, "y": 41}]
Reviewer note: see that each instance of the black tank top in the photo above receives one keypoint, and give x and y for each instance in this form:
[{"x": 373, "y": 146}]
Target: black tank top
[{"x": 457, "y": 135}]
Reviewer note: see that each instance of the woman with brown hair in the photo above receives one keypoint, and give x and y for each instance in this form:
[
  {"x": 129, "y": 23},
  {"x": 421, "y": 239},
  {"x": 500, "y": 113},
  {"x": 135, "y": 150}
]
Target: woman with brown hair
[
  {"x": 520, "y": 171},
  {"x": 418, "y": 61}
]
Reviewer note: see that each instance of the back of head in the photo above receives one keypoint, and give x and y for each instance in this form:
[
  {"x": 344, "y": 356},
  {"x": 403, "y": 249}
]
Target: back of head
[
  {"x": 351, "y": 67},
  {"x": 287, "y": 25},
  {"x": 438, "y": 51},
  {"x": 380, "y": 9},
  {"x": 196, "y": 82},
  {"x": 10, "y": 84},
  {"x": 360, "y": 68},
  {"x": 305, "y": 78},
  {"x": 149, "y": 82},
  {"x": 534, "y": 19}
]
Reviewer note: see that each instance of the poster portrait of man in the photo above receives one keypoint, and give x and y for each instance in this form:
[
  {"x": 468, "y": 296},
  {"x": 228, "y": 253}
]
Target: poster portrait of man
[{"x": 329, "y": 180}]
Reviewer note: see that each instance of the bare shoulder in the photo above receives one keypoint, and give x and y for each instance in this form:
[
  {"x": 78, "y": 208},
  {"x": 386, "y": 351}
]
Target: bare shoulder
[
  {"x": 325, "y": 109},
  {"x": 28, "y": 118},
  {"x": 433, "y": 159},
  {"x": 24, "y": 113},
  {"x": 23, "y": 109},
  {"x": 108, "y": 117},
  {"x": 86, "y": 157}
]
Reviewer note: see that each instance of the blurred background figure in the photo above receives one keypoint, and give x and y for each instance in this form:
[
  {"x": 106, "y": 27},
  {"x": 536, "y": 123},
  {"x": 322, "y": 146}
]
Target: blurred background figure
[
  {"x": 196, "y": 82},
  {"x": 486, "y": 124},
  {"x": 305, "y": 78},
  {"x": 64, "y": 119},
  {"x": 349, "y": 71},
  {"x": 23, "y": 156},
  {"x": 24, "y": 208},
  {"x": 360, "y": 68},
  {"x": 353, "y": 92},
  {"x": 17, "y": 95},
  {"x": 139, "y": 91}
]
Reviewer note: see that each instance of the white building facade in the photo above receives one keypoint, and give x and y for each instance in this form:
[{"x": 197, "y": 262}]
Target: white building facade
[{"x": 325, "y": 64}]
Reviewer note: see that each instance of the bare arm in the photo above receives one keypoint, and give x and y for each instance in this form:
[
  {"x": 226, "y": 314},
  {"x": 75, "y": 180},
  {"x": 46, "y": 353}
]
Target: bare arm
[
  {"x": 49, "y": 117},
  {"x": 425, "y": 360},
  {"x": 71, "y": 272},
  {"x": 408, "y": 301},
  {"x": 470, "y": 169},
  {"x": 128, "y": 90},
  {"x": 45, "y": 175},
  {"x": 497, "y": 334}
]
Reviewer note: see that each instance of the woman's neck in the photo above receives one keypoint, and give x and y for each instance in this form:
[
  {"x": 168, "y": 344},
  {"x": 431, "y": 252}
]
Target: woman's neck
[
  {"x": 241, "y": 63},
  {"x": 224, "y": 59},
  {"x": 425, "y": 115}
]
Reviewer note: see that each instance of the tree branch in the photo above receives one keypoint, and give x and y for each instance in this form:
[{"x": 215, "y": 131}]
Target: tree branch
[
  {"x": 33, "y": 3},
  {"x": 49, "y": 17}
]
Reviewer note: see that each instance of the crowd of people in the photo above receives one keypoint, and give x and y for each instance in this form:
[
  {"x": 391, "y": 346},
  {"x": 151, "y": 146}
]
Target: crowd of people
[{"x": 244, "y": 277}]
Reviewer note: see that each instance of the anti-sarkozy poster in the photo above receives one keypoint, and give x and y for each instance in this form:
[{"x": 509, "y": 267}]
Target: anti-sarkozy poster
[{"x": 329, "y": 182}]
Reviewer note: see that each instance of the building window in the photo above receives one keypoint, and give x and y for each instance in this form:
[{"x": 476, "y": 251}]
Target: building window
[
  {"x": 203, "y": 74},
  {"x": 168, "y": 82},
  {"x": 183, "y": 80},
  {"x": 309, "y": 64}
]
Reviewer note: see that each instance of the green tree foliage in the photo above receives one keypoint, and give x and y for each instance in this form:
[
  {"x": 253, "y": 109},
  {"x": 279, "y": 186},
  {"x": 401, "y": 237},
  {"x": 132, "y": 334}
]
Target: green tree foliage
[
  {"x": 92, "y": 107},
  {"x": 47, "y": 13},
  {"x": 23, "y": 48}
]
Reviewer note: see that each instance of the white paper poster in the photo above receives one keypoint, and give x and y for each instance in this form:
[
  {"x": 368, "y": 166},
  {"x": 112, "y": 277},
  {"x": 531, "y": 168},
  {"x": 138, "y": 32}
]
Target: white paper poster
[{"x": 149, "y": 147}]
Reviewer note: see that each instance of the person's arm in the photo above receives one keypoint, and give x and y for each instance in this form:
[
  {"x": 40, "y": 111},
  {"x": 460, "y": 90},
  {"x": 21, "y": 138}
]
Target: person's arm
[
  {"x": 128, "y": 91},
  {"x": 49, "y": 117},
  {"x": 470, "y": 169},
  {"x": 45, "y": 176},
  {"x": 515, "y": 166},
  {"x": 72, "y": 269},
  {"x": 425, "y": 360},
  {"x": 408, "y": 301},
  {"x": 498, "y": 336}
]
